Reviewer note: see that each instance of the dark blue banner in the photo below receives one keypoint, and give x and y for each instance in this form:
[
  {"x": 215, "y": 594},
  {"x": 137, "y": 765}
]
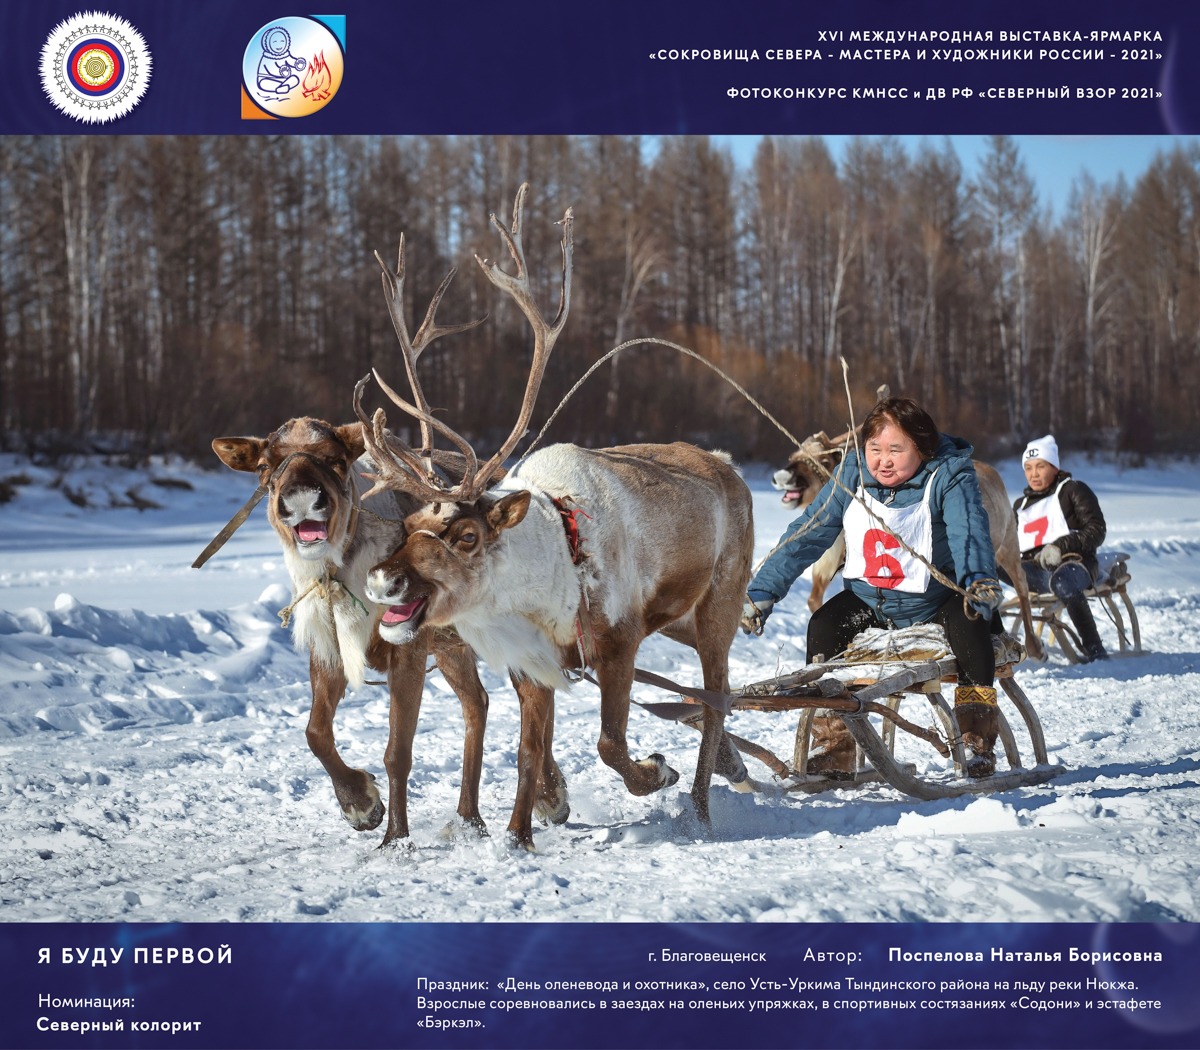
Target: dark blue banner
[
  {"x": 623, "y": 67},
  {"x": 248, "y": 67},
  {"x": 636, "y": 985}
]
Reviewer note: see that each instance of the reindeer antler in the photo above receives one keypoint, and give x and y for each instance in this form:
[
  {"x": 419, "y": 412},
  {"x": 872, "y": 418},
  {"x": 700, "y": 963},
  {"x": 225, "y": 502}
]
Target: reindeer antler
[
  {"x": 544, "y": 334},
  {"x": 404, "y": 470},
  {"x": 397, "y": 466},
  {"x": 819, "y": 443},
  {"x": 393, "y": 290}
]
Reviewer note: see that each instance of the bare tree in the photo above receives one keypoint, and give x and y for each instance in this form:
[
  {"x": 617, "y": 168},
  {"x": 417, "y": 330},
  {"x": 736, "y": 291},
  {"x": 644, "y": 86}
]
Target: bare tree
[
  {"x": 1005, "y": 200},
  {"x": 1093, "y": 230}
]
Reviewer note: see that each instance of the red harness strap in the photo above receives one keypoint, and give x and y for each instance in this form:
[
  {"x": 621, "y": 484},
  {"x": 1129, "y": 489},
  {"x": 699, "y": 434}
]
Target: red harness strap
[
  {"x": 584, "y": 636},
  {"x": 570, "y": 518}
]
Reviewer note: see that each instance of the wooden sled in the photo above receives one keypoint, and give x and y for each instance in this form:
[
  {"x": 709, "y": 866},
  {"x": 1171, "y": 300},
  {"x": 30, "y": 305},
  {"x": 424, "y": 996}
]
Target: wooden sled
[
  {"x": 866, "y": 687},
  {"x": 1050, "y": 612}
]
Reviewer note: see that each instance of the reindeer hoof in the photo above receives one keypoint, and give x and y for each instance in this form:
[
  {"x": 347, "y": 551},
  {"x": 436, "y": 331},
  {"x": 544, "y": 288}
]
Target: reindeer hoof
[
  {"x": 368, "y": 821},
  {"x": 669, "y": 776},
  {"x": 665, "y": 776},
  {"x": 553, "y": 811},
  {"x": 364, "y": 809},
  {"x": 464, "y": 828},
  {"x": 518, "y": 841},
  {"x": 729, "y": 765}
]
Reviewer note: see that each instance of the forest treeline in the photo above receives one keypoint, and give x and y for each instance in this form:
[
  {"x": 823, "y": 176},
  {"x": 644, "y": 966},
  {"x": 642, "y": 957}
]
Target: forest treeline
[{"x": 158, "y": 292}]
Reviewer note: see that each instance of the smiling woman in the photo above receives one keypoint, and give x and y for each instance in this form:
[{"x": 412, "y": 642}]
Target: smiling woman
[{"x": 917, "y": 534}]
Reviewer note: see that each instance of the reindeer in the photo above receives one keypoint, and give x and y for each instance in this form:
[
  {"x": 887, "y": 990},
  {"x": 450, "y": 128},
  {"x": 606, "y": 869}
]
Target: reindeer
[
  {"x": 806, "y": 472},
  {"x": 818, "y": 457},
  {"x": 667, "y": 544},
  {"x": 312, "y": 473}
]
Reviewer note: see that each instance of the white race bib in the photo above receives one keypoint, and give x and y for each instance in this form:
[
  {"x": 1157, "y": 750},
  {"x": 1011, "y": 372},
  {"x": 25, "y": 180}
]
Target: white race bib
[
  {"x": 874, "y": 548},
  {"x": 1042, "y": 521}
]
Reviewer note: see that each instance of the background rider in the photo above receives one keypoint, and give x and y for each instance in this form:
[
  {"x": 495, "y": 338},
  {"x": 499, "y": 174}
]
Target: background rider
[{"x": 1059, "y": 527}]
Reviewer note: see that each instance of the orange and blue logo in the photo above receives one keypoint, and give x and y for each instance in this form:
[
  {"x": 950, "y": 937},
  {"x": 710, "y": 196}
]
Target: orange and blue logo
[
  {"x": 293, "y": 66},
  {"x": 95, "y": 67}
]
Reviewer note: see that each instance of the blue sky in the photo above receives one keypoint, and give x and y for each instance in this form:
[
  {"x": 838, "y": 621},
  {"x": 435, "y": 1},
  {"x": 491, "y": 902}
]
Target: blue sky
[{"x": 1054, "y": 161}]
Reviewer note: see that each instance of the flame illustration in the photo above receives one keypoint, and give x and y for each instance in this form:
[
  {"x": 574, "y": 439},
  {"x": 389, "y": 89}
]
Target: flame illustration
[{"x": 317, "y": 79}]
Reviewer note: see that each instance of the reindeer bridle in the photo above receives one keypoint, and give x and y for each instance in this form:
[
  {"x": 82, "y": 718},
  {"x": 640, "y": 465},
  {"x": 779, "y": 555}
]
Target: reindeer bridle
[{"x": 265, "y": 486}]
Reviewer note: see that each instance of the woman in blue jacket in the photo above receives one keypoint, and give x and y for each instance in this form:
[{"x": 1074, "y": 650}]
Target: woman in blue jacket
[{"x": 912, "y": 502}]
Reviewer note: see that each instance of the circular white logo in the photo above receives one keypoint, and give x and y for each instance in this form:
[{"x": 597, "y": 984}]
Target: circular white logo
[
  {"x": 95, "y": 67},
  {"x": 293, "y": 66}
]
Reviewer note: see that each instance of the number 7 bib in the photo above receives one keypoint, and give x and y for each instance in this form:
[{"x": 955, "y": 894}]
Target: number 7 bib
[{"x": 1042, "y": 521}]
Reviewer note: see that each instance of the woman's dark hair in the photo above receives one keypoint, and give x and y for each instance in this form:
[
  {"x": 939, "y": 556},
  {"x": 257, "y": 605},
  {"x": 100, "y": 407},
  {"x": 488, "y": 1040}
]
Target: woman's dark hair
[{"x": 910, "y": 417}]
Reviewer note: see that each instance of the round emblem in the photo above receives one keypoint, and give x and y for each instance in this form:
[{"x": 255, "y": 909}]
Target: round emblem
[
  {"x": 293, "y": 66},
  {"x": 95, "y": 67}
]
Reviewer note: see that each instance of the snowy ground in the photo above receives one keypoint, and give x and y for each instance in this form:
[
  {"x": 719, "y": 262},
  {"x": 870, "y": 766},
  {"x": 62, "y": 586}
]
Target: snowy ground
[{"x": 153, "y": 764}]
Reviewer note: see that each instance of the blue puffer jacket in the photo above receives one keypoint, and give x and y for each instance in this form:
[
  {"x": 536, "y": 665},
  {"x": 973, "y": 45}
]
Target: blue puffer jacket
[{"x": 962, "y": 544}]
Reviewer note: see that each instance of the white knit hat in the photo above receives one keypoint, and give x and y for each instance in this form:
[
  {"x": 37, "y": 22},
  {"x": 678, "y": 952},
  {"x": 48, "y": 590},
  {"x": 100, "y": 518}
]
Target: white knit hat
[{"x": 1042, "y": 448}]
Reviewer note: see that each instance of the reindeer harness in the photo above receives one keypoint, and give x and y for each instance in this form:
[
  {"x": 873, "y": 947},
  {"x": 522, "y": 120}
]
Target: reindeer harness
[
  {"x": 584, "y": 634},
  {"x": 239, "y": 519}
]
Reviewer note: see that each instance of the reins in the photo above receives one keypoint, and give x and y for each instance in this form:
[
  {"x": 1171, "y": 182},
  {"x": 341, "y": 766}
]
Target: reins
[
  {"x": 585, "y": 633},
  {"x": 936, "y": 573}
]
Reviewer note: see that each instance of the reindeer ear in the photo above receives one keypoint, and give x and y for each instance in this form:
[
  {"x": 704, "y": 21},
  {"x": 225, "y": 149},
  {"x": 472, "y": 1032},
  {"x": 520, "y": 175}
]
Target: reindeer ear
[
  {"x": 239, "y": 453},
  {"x": 351, "y": 435},
  {"x": 508, "y": 511}
]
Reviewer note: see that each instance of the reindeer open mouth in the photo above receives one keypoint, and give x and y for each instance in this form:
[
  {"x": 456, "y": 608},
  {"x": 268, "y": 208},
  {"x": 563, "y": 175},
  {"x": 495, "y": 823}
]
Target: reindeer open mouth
[
  {"x": 791, "y": 494},
  {"x": 309, "y": 532},
  {"x": 410, "y": 613}
]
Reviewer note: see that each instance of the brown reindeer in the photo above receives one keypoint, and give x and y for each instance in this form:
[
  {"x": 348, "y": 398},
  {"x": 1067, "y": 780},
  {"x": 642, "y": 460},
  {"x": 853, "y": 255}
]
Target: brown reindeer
[
  {"x": 810, "y": 466},
  {"x": 667, "y": 544},
  {"x": 330, "y": 539}
]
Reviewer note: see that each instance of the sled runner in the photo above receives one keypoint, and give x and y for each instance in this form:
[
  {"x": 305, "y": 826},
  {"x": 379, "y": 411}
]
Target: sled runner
[
  {"x": 1049, "y": 611},
  {"x": 866, "y": 687}
]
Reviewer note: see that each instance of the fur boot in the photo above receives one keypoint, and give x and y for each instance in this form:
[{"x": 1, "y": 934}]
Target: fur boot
[
  {"x": 834, "y": 749},
  {"x": 979, "y": 723}
]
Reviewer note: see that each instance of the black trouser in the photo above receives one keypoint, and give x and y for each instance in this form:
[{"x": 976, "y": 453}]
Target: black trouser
[{"x": 834, "y": 626}]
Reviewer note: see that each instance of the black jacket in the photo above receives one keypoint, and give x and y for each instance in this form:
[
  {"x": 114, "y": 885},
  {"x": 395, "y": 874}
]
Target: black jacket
[{"x": 1082, "y": 511}]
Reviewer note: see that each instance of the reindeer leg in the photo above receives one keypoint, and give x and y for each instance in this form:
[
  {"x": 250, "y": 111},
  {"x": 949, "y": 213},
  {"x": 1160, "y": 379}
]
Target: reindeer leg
[
  {"x": 712, "y": 735},
  {"x": 457, "y": 664},
  {"x": 644, "y": 777},
  {"x": 1012, "y": 568},
  {"x": 355, "y": 788},
  {"x": 824, "y": 570},
  {"x": 406, "y": 683},
  {"x": 716, "y": 624},
  {"x": 553, "y": 805},
  {"x": 537, "y": 709}
]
